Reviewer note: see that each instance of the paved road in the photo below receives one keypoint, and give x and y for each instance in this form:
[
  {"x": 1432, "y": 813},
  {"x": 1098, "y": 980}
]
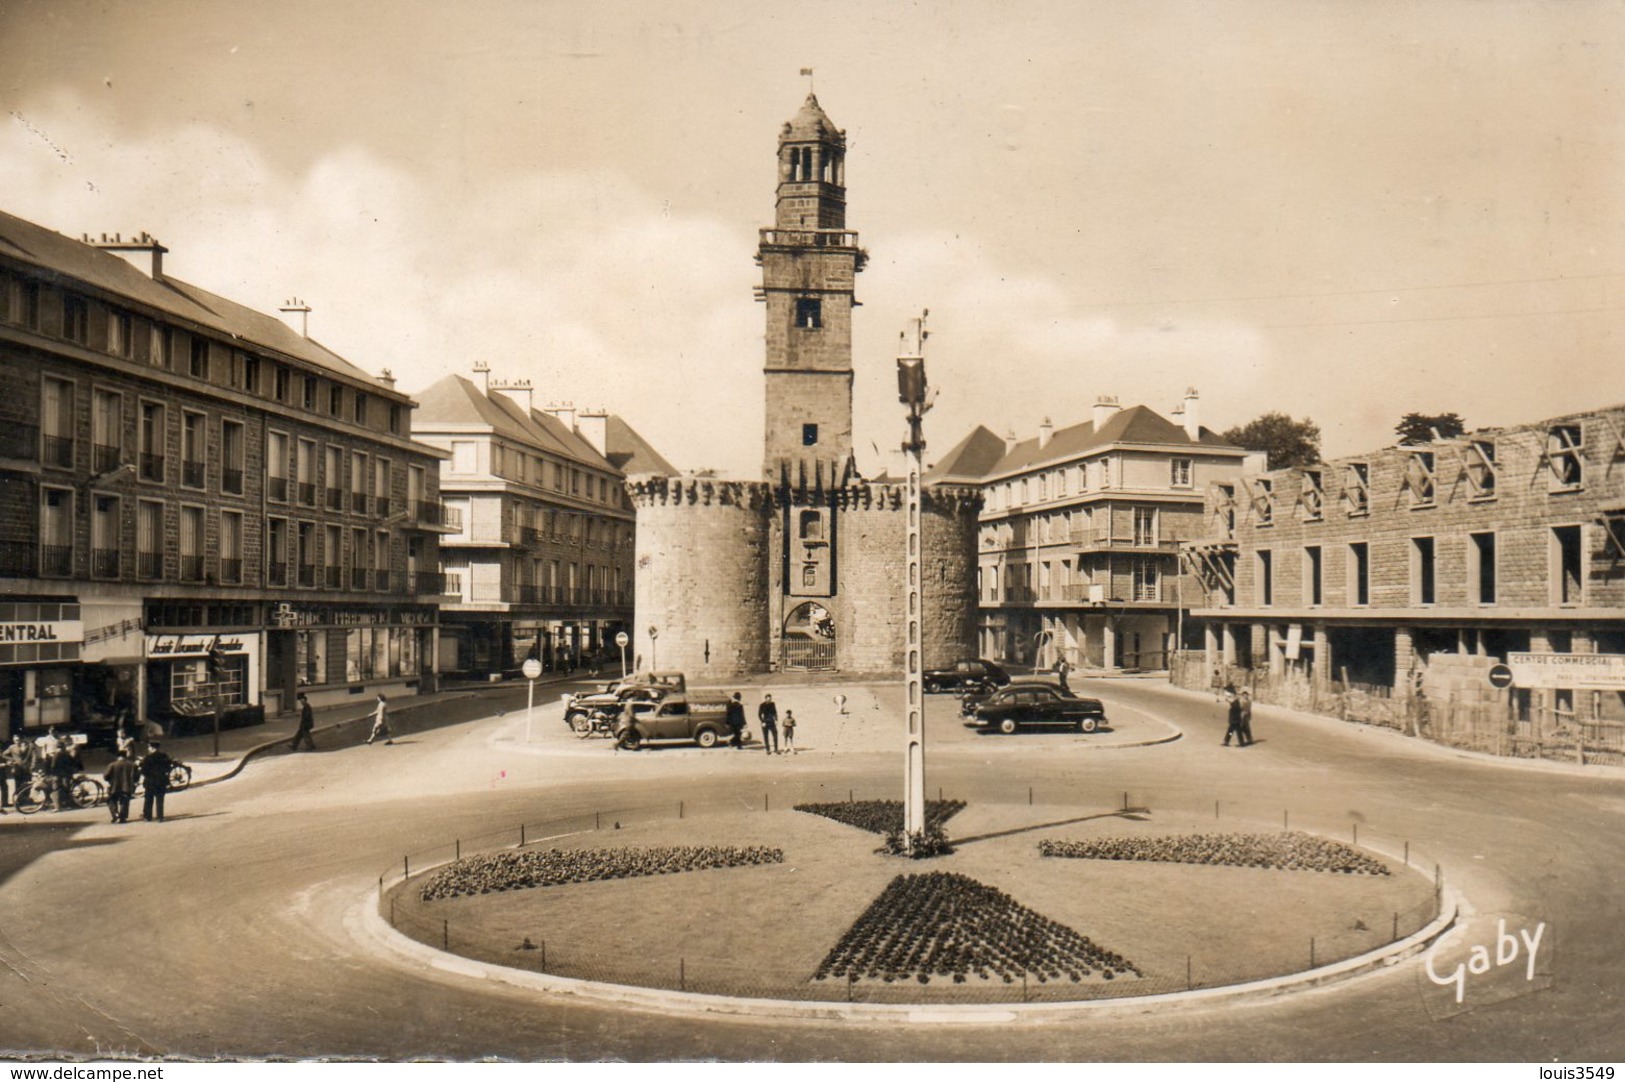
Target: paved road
[{"x": 224, "y": 931}]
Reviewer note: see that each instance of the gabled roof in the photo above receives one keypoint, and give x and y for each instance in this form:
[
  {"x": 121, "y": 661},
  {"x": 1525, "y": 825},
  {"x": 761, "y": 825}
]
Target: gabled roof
[
  {"x": 976, "y": 458},
  {"x": 630, "y": 453},
  {"x": 65, "y": 257}
]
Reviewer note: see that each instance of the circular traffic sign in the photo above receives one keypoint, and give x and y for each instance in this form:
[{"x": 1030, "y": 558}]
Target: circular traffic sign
[
  {"x": 531, "y": 668},
  {"x": 621, "y": 639},
  {"x": 1500, "y": 676}
]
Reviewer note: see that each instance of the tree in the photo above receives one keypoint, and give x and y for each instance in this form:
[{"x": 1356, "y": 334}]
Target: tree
[
  {"x": 1285, "y": 441},
  {"x": 1419, "y": 427}
]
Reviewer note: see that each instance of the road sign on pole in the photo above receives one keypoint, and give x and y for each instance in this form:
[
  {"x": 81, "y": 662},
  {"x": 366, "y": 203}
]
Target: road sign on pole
[
  {"x": 621, "y": 639},
  {"x": 531, "y": 669},
  {"x": 1500, "y": 676}
]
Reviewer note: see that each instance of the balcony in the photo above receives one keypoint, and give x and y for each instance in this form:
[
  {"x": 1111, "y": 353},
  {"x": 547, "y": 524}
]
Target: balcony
[
  {"x": 56, "y": 561},
  {"x": 360, "y": 578},
  {"x": 152, "y": 467},
  {"x": 307, "y": 493},
  {"x": 530, "y": 535},
  {"x": 381, "y": 580},
  {"x": 358, "y": 502},
  {"x": 104, "y": 563},
  {"x": 149, "y": 565},
  {"x": 192, "y": 474},
  {"x": 529, "y": 594},
  {"x": 19, "y": 441},
  {"x": 428, "y": 582},
  {"x": 307, "y": 575},
  {"x": 333, "y": 578},
  {"x": 57, "y": 451},
  {"x": 1088, "y": 542},
  {"x": 231, "y": 572},
  {"x": 191, "y": 568},
  {"x": 454, "y": 583},
  {"x": 276, "y": 488},
  {"x": 335, "y": 499},
  {"x": 382, "y": 506},
  {"x": 17, "y": 560},
  {"x": 436, "y": 517},
  {"x": 232, "y": 481},
  {"x": 276, "y": 574},
  {"x": 104, "y": 458}
]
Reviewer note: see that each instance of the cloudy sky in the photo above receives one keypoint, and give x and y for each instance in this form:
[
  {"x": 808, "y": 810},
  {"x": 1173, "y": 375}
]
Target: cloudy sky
[{"x": 1340, "y": 210}]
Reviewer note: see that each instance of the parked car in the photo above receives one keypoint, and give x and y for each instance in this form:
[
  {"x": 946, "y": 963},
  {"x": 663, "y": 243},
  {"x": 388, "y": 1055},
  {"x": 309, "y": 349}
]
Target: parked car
[
  {"x": 1035, "y": 705},
  {"x": 635, "y": 687},
  {"x": 974, "y": 695},
  {"x": 970, "y": 673},
  {"x": 676, "y": 717}
]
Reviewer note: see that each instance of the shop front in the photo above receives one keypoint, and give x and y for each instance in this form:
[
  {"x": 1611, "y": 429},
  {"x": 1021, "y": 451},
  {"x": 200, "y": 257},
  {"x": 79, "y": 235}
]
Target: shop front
[
  {"x": 191, "y": 676},
  {"x": 40, "y": 643},
  {"x": 334, "y": 653}
]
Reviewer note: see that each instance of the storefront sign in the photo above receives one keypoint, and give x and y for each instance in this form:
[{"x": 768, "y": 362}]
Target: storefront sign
[
  {"x": 286, "y": 615},
  {"x": 39, "y": 631},
  {"x": 169, "y": 646},
  {"x": 1567, "y": 670}
]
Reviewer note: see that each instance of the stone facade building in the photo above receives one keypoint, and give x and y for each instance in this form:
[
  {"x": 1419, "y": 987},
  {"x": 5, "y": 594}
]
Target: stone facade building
[
  {"x": 178, "y": 471},
  {"x": 803, "y": 567},
  {"x": 542, "y": 564},
  {"x": 1080, "y": 532},
  {"x": 1415, "y": 570}
]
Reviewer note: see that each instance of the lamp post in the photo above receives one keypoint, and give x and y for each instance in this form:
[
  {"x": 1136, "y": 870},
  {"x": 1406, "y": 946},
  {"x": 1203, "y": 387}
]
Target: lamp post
[
  {"x": 654, "y": 658},
  {"x": 913, "y": 392}
]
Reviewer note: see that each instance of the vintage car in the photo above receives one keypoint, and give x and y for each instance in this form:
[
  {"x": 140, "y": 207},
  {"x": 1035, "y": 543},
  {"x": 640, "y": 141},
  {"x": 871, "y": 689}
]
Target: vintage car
[
  {"x": 676, "y": 717},
  {"x": 635, "y": 687},
  {"x": 1037, "y": 705},
  {"x": 970, "y": 673}
]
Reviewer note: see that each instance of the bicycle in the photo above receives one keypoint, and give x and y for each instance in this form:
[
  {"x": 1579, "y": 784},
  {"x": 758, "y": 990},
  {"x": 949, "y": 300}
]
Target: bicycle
[{"x": 84, "y": 791}]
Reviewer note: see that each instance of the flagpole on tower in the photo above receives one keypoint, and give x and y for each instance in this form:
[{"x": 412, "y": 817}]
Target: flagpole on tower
[{"x": 808, "y": 73}]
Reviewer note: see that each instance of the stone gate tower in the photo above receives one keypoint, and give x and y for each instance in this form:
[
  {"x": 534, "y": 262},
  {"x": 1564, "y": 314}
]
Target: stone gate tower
[{"x": 802, "y": 567}]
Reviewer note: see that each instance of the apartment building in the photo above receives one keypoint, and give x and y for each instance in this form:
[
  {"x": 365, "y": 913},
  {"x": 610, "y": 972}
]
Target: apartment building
[
  {"x": 541, "y": 565},
  {"x": 1080, "y": 532},
  {"x": 1420, "y": 569},
  {"x": 181, "y": 473}
]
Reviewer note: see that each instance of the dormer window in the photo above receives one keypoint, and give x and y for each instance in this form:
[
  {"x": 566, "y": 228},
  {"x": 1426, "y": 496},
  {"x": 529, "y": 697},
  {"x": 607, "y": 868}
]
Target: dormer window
[{"x": 809, "y": 313}]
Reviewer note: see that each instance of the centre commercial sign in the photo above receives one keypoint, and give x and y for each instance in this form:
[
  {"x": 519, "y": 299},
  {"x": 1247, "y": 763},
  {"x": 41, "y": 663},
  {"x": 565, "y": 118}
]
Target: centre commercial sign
[{"x": 1567, "y": 670}]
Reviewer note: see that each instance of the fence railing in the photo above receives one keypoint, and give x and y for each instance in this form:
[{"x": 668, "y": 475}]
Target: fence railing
[{"x": 1346, "y": 927}]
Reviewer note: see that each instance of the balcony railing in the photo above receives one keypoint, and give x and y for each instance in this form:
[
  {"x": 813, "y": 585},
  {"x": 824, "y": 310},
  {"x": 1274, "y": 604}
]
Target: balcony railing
[
  {"x": 428, "y": 582},
  {"x": 307, "y": 493},
  {"x": 454, "y": 583},
  {"x": 104, "y": 563},
  {"x": 382, "y": 510},
  {"x": 335, "y": 499},
  {"x": 191, "y": 568},
  {"x": 231, "y": 571},
  {"x": 19, "y": 441},
  {"x": 381, "y": 580},
  {"x": 152, "y": 467},
  {"x": 276, "y": 488},
  {"x": 192, "y": 474},
  {"x": 149, "y": 565},
  {"x": 56, "y": 560},
  {"x": 360, "y": 578},
  {"x": 530, "y": 594},
  {"x": 231, "y": 481},
  {"x": 276, "y": 574},
  {"x": 810, "y": 238},
  {"x": 333, "y": 578},
  {"x": 56, "y": 451},
  {"x": 103, "y": 457},
  {"x": 307, "y": 574},
  {"x": 530, "y": 535},
  {"x": 17, "y": 559},
  {"x": 358, "y": 502}
]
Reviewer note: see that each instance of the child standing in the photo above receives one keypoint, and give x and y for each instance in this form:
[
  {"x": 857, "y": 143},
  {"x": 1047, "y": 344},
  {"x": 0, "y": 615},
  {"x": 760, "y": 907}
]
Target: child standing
[{"x": 789, "y": 728}]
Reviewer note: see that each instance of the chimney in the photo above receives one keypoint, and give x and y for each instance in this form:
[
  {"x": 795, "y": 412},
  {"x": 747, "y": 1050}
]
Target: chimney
[
  {"x": 1193, "y": 419},
  {"x": 1045, "y": 431},
  {"x": 1105, "y": 407},
  {"x": 387, "y": 378},
  {"x": 513, "y": 388},
  {"x": 294, "y": 304},
  {"x": 483, "y": 370},
  {"x": 1009, "y": 440},
  {"x": 593, "y": 425},
  {"x": 564, "y": 411},
  {"x": 143, "y": 243}
]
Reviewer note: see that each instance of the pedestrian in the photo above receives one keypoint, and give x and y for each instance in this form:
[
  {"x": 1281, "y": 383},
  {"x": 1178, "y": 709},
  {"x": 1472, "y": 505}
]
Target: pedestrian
[
  {"x": 61, "y": 769},
  {"x": 1062, "y": 667},
  {"x": 789, "y": 732},
  {"x": 49, "y": 744},
  {"x": 768, "y": 715},
  {"x": 17, "y": 768},
  {"x": 1245, "y": 730},
  {"x": 1233, "y": 725},
  {"x": 121, "y": 777},
  {"x": 307, "y": 721},
  {"x": 380, "y": 722},
  {"x": 736, "y": 721},
  {"x": 155, "y": 767}
]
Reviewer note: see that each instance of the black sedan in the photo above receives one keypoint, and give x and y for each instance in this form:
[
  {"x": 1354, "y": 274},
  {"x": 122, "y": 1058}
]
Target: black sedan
[
  {"x": 1022, "y": 706},
  {"x": 971, "y": 673}
]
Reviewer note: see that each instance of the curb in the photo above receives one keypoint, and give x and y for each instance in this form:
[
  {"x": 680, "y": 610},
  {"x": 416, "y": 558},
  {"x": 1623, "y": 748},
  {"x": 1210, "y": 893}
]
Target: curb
[{"x": 368, "y": 926}]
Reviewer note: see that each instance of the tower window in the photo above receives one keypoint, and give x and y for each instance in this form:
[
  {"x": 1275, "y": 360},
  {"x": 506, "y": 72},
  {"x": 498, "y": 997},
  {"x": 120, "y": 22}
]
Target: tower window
[
  {"x": 809, "y": 313},
  {"x": 809, "y": 435}
]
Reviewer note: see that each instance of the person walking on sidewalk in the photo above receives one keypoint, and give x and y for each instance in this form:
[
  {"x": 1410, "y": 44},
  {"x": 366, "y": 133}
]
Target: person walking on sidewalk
[
  {"x": 789, "y": 732},
  {"x": 16, "y": 768},
  {"x": 380, "y": 722},
  {"x": 155, "y": 768},
  {"x": 768, "y": 715},
  {"x": 121, "y": 777},
  {"x": 736, "y": 721},
  {"x": 1233, "y": 716},
  {"x": 1244, "y": 731},
  {"x": 307, "y": 722}
]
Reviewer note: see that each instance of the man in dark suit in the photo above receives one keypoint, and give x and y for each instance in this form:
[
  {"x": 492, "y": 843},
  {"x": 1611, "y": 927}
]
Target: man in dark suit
[
  {"x": 736, "y": 721},
  {"x": 155, "y": 767},
  {"x": 121, "y": 777}
]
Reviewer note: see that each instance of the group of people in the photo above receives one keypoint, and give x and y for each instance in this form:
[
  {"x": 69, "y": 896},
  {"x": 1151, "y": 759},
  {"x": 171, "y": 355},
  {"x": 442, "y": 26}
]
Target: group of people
[
  {"x": 55, "y": 759},
  {"x": 768, "y": 715},
  {"x": 1240, "y": 716}
]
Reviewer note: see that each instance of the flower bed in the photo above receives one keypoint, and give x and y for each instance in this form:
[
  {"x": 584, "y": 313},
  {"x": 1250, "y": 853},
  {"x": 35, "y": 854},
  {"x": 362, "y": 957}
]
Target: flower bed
[
  {"x": 517, "y": 869},
  {"x": 1288, "y": 850},
  {"x": 882, "y": 816},
  {"x": 942, "y": 924}
]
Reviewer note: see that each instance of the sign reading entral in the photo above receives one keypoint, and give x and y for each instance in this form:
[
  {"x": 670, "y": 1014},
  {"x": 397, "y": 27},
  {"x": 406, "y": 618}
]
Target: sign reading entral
[
  {"x": 1567, "y": 670},
  {"x": 43, "y": 631}
]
